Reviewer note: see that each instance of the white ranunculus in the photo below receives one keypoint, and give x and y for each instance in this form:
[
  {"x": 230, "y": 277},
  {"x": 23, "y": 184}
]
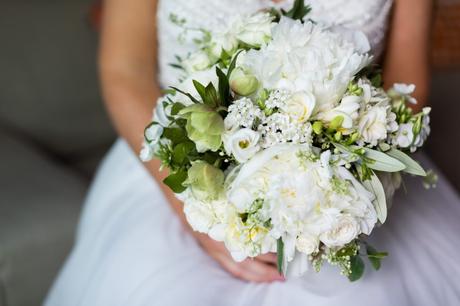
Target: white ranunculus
[
  {"x": 198, "y": 61},
  {"x": 255, "y": 30},
  {"x": 300, "y": 106},
  {"x": 405, "y": 135},
  {"x": 345, "y": 229},
  {"x": 242, "y": 144},
  {"x": 307, "y": 243},
  {"x": 372, "y": 125}
]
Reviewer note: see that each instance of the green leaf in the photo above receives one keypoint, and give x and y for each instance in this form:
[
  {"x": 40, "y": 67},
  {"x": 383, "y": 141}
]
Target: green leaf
[
  {"x": 380, "y": 203},
  {"x": 357, "y": 268},
  {"x": 412, "y": 166},
  {"x": 212, "y": 99},
  {"x": 298, "y": 11},
  {"x": 375, "y": 257},
  {"x": 176, "y": 135},
  {"x": 182, "y": 151},
  {"x": 200, "y": 89},
  {"x": 175, "y": 180},
  {"x": 280, "y": 255},
  {"x": 194, "y": 100},
  {"x": 382, "y": 162},
  {"x": 176, "y": 108},
  {"x": 224, "y": 87},
  {"x": 233, "y": 64}
]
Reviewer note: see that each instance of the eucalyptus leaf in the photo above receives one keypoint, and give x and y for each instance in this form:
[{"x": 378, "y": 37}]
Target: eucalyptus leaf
[
  {"x": 412, "y": 166},
  {"x": 357, "y": 268},
  {"x": 380, "y": 203},
  {"x": 382, "y": 162}
]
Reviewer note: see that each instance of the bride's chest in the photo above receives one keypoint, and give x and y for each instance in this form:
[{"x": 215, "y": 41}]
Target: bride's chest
[{"x": 212, "y": 13}]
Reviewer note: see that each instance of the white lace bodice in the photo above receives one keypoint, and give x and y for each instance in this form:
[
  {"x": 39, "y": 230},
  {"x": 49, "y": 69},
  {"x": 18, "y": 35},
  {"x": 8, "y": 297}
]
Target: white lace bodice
[{"x": 370, "y": 16}]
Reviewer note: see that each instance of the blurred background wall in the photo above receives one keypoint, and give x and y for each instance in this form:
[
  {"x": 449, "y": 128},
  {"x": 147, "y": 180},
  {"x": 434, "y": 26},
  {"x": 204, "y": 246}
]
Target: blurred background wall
[{"x": 54, "y": 130}]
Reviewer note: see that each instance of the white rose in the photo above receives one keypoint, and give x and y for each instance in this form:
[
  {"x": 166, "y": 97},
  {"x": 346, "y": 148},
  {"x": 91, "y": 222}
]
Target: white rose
[
  {"x": 242, "y": 144},
  {"x": 196, "y": 62},
  {"x": 405, "y": 135},
  {"x": 255, "y": 30},
  {"x": 300, "y": 106},
  {"x": 373, "y": 125},
  {"x": 307, "y": 243},
  {"x": 343, "y": 231}
]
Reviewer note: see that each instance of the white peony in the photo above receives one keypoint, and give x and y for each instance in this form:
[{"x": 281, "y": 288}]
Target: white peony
[
  {"x": 242, "y": 144},
  {"x": 343, "y": 231},
  {"x": 305, "y": 57}
]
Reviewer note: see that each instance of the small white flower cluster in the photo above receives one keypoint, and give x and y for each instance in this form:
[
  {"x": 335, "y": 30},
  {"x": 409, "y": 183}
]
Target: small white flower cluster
[{"x": 250, "y": 128}]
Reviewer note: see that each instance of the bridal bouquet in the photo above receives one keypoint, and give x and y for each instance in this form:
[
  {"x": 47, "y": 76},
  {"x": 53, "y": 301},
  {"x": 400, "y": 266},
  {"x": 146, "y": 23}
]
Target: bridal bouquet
[{"x": 280, "y": 138}]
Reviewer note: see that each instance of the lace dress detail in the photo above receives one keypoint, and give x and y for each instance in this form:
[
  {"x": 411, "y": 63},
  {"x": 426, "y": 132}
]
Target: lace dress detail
[{"x": 370, "y": 17}]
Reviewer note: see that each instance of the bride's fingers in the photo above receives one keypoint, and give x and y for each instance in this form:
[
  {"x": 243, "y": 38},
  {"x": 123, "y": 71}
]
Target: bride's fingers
[
  {"x": 254, "y": 271},
  {"x": 267, "y": 258}
]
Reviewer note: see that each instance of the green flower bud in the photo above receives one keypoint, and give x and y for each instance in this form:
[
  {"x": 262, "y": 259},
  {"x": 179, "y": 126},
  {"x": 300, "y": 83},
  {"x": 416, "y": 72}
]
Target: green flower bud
[
  {"x": 205, "y": 181},
  {"x": 353, "y": 138},
  {"x": 417, "y": 126},
  {"x": 204, "y": 127},
  {"x": 336, "y": 123},
  {"x": 338, "y": 136},
  {"x": 242, "y": 83},
  {"x": 317, "y": 127}
]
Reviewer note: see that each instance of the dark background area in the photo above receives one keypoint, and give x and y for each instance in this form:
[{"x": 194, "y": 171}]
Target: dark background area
[{"x": 54, "y": 130}]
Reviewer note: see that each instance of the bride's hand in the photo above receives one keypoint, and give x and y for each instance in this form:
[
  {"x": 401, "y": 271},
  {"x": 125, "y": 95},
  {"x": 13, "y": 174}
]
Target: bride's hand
[{"x": 260, "y": 269}]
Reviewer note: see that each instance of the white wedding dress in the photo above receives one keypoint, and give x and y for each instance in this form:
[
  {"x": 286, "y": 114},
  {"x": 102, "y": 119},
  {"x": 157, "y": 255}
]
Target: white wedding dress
[{"x": 132, "y": 250}]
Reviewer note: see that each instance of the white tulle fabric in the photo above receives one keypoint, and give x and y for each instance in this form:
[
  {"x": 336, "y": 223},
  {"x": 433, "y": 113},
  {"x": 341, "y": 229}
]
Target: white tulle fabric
[{"x": 132, "y": 250}]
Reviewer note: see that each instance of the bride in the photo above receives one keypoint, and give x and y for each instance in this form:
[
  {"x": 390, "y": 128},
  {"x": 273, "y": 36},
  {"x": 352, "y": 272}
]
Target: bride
[{"x": 133, "y": 245}]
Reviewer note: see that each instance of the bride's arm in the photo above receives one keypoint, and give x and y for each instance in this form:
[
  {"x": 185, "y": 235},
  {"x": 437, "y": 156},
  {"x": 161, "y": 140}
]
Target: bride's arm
[
  {"x": 408, "y": 52},
  {"x": 130, "y": 88}
]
